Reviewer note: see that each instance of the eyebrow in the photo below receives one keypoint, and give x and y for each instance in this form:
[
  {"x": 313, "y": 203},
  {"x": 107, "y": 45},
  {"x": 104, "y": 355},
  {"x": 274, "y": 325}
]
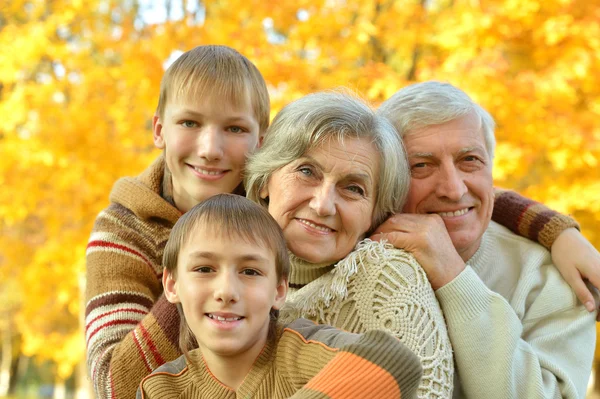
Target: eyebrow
[
  {"x": 199, "y": 115},
  {"x": 351, "y": 176},
  {"x": 213, "y": 256},
  {"x": 462, "y": 151}
]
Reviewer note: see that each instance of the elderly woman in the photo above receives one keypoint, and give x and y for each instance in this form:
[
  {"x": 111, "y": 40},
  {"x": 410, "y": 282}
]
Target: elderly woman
[{"x": 329, "y": 171}]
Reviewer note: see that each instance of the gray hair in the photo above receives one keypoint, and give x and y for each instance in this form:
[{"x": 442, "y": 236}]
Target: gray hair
[
  {"x": 432, "y": 103},
  {"x": 306, "y": 123}
]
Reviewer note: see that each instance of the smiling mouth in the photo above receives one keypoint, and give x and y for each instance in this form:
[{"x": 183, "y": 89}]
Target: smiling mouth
[
  {"x": 224, "y": 319},
  {"x": 459, "y": 212},
  {"x": 209, "y": 172},
  {"x": 315, "y": 226}
]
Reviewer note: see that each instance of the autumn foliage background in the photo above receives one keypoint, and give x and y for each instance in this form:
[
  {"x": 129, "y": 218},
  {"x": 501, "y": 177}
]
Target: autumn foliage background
[{"x": 79, "y": 83}]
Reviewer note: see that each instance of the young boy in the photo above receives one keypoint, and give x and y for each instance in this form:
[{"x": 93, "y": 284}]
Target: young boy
[
  {"x": 226, "y": 267},
  {"x": 213, "y": 109}
]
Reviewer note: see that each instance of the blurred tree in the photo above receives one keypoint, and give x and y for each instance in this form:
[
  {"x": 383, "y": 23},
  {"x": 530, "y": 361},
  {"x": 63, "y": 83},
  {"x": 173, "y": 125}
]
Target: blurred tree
[{"x": 79, "y": 84}]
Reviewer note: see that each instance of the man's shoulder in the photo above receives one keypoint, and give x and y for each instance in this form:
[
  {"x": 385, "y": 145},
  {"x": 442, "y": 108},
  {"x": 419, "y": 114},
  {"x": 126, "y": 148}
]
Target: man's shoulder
[
  {"x": 536, "y": 277},
  {"x": 502, "y": 239}
]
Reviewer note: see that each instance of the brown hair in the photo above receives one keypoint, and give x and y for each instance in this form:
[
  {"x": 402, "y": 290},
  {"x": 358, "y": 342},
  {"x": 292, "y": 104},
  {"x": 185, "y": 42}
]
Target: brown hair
[
  {"x": 231, "y": 216},
  {"x": 219, "y": 72}
]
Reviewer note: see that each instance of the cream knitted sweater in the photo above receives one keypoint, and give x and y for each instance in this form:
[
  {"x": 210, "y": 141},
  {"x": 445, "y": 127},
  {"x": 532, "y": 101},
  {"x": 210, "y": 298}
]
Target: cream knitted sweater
[
  {"x": 378, "y": 287},
  {"x": 517, "y": 328}
]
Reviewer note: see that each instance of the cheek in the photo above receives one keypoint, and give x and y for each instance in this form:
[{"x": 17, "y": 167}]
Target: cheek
[
  {"x": 417, "y": 193},
  {"x": 238, "y": 149}
]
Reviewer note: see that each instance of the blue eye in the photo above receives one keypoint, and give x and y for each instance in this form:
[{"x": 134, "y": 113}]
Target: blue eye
[
  {"x": 356, "y": 189},
  {"x": 305, "y": 171},
  {"x": 235, "y": 129},
  {"x": 188, "y": 124}
]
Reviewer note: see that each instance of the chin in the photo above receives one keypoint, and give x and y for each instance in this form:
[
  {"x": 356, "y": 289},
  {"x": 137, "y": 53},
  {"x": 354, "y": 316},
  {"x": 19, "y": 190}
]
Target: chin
[{"x": 311, "y": 256}]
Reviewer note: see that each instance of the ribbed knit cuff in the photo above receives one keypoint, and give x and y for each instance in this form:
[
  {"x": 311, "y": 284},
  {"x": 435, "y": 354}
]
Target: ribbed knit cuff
[
  {"x": 552, "y": 229},
  {"x": 465, "y": 297}
]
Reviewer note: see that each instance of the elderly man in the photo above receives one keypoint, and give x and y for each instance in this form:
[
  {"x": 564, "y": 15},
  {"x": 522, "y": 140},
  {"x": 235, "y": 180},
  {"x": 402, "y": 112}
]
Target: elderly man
[{"x": 517, "y": 328}]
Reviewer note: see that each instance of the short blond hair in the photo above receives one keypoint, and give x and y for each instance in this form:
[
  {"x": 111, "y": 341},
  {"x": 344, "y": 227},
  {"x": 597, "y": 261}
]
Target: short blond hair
[
  {"x": 218, "y": 72},
  {"x": 432, "y": 103},
  {"x": 306, "y": 123},
  {"x": 234, "y": 217}
]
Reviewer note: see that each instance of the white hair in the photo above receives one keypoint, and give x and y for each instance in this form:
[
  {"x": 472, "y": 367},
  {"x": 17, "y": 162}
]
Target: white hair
[
  {"x": 432, "y": 103},
  {"x": 306, "y": 123}
]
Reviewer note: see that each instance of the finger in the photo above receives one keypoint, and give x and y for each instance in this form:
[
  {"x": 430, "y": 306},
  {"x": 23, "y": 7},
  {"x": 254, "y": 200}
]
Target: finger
[
  {"x": 594, "y": 276},
  {"x": 378, "y": 236},
  {"x": 397, "y": 239},
  {"x": 582, "y": 292},
  {"x": 398, "y": 222}
]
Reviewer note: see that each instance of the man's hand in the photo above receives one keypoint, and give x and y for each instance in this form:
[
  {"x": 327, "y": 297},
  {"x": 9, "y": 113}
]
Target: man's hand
[
  {"x": 577, "y": 259},
  {"x": 426, "y": 238}
]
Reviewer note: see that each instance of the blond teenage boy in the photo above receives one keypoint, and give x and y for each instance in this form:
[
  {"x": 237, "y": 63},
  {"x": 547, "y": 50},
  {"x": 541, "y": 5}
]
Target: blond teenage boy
[
  {"x": 212, "y": 111},
  {"x": 226, "y": 267}
]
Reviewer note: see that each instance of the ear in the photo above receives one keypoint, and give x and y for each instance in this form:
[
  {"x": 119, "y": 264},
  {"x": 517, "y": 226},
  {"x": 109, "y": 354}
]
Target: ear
[
  {"x": 170, "y": 286},
  {"x": 264, "y": 191},
  {"x": 157, "y": 133},
  {"x": 280, "y": 294},
  {"x": 261, "y": 137}
]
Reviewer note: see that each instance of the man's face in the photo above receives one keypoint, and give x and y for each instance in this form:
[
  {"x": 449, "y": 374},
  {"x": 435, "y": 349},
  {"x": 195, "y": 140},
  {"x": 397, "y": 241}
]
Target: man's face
[{"x": 452, "y": 176}]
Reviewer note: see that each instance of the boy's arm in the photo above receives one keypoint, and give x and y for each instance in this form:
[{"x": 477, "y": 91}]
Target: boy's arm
[
  {"x": 377, "y": 365},
  {"x": 573, "y": 255},
  {"x": 130, "y": 327},
  {"x": 529, "y": 218}
]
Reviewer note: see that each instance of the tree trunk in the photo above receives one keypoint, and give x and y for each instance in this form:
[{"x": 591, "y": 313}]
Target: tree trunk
[
  {"x": 6, "y": 361},
  {"x": 60, "y": 390}
]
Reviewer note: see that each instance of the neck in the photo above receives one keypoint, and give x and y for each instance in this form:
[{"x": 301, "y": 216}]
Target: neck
[
  {"x": 232, "y": 370},
  {"x": 468, "y": 252}
]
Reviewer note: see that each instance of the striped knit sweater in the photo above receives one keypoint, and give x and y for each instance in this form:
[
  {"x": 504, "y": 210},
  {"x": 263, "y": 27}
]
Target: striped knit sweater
[
  {"x": 306, "y": 361},
  {"x": 131, "y": 329}
]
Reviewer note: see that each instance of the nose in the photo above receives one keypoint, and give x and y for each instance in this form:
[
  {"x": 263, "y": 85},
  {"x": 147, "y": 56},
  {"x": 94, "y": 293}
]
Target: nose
[
  {"x": 226, "y": 288},
  {"x": 451, "y": 184},
  {"x": 210, "y": 143},
  {"x": 323, "y": 200}
]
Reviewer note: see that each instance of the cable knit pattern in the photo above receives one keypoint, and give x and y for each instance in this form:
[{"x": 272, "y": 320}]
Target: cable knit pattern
[{"x": 380, "y": 287}]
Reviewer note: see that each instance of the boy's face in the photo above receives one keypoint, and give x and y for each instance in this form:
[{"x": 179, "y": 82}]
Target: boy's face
[
  {"x": 227, "y": 288},
  {"x": 206, "y": 143}
]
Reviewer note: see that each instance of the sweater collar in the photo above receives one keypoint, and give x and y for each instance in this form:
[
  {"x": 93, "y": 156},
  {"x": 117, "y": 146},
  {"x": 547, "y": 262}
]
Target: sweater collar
[
  {"x": 303, "y": 272},
  {"x": 482, "y": 255},
  {"x": 143, "y": 194},
  {"x": 255, "y": 377}
]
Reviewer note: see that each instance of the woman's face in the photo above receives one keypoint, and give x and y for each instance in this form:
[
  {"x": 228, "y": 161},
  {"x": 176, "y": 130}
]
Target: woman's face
[{"x": 324, "y": 201}]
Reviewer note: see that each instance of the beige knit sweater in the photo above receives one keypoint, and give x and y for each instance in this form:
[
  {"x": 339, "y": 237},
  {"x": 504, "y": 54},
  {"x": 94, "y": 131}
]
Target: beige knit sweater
[{"x": 378, "y": 287}]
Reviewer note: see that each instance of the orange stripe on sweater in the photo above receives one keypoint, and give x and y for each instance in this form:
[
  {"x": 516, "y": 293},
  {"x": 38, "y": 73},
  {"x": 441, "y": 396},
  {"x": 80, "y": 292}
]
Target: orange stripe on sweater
[{"x": 351, "y": 376}]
